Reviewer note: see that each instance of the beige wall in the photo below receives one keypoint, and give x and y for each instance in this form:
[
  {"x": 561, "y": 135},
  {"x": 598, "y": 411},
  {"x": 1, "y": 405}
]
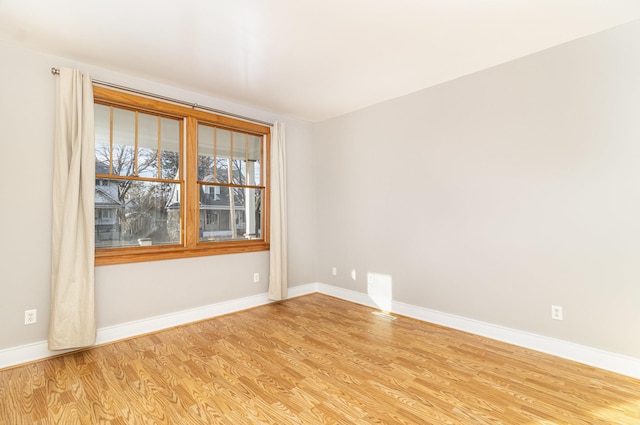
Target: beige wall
[
  {"x": 491, "y": 197},
  {"x": 509, "y": 190},
  {"x": 125, "y": 292}
]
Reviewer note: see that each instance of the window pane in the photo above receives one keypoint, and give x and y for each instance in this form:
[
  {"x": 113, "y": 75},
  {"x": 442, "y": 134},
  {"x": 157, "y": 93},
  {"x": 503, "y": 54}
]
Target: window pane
[
  {"x": 205, "y": 153},
  {"x": 147, "y": 145},
  {"x": 124, "y": 131},
  {"x": 255, "y": 156},
  {"x": 240, "y": 141},
  {"x": 230, "y": 213},
  {"x": 170, "y": 145},
  {"x": 130, "y": 213},
  {"x": 223, "y": 147},
  {"x": 253, "y": 215},
  {"x": 223, "y": 153},
  {"x": 102, "y": 137}
]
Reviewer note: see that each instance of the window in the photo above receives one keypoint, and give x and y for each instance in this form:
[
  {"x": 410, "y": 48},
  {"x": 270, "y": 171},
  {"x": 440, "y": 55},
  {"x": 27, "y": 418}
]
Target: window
[
  {"x": 176, "y": 182},
  {"x": 212, "y": 218},
  {"x": 104, "y": 214}
]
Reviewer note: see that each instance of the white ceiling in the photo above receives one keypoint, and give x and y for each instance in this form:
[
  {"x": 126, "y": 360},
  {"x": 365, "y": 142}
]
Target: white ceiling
[{"x": 308, "y": 59}]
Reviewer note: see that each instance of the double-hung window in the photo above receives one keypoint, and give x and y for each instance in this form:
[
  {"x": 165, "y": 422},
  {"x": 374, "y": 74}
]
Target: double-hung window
[{"x": 176, "y": 182}]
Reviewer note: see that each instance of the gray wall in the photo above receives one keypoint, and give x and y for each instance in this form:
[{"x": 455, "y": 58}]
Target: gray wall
[
  {"x": 124, "y": 292},
  {"x": 491, "y": 197},
  {"x": 496, "y": 195}
]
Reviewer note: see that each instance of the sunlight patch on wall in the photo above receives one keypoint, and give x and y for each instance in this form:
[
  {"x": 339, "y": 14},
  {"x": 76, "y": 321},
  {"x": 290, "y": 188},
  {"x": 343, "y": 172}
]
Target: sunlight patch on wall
[{"x": 379, "y": 288}]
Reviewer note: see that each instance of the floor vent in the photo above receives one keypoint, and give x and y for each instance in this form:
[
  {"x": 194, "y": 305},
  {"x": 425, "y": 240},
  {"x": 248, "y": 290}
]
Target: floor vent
[{"x": 385, "y": 315}]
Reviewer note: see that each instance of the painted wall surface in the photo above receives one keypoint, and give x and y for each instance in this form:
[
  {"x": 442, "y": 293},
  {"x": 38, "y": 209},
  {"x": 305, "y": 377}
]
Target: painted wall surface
[
  {"x": 491, "y": 197},
  {"x": 498, "y": 195},
  {"x": 124, "y": 292}
]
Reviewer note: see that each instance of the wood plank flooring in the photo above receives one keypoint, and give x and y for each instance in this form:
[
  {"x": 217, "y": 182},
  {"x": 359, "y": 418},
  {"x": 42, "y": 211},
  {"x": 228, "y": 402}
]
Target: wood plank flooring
[{"x": 313, "y": 360}]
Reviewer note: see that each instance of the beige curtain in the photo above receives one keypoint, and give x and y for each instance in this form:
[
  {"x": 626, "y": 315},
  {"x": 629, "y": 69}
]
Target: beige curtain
[
  {"x": 72, "y": 321},
  {"x": 278, "y": 250}
]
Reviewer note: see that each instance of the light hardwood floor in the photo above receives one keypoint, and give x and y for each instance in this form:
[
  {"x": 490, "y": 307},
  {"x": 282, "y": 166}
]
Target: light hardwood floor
[{"x": 313, "y": 360}]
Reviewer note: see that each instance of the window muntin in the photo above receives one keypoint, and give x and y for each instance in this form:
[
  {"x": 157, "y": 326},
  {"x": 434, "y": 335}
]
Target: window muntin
[{"x": 155, "y": 149}]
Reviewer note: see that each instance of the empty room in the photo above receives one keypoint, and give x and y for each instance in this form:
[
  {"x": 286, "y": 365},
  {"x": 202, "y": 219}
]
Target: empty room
[{"x": 290, "y": 212}]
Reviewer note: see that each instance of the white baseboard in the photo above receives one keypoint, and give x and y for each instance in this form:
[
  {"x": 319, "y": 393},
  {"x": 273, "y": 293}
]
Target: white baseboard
[
  {"x": 613, "y": 362},
  {"x": 39, "y": 350},
  {"x": 587, "y": 355}
]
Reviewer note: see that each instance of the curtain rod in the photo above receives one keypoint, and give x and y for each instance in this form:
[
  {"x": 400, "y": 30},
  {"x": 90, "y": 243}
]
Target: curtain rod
[{"x": 56, "y": 71}]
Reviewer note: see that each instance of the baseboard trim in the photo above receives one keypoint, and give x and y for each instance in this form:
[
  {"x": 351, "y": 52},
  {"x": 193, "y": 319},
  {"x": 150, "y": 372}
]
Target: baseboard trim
[
  {"x": 595, "y": 357},
  {"x": 613, "y": 362},
  {"x": 39, "y": 350}
]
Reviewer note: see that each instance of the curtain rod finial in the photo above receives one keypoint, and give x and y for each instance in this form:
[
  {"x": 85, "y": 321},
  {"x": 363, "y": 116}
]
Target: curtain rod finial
[{"x": 55, "y": 71}]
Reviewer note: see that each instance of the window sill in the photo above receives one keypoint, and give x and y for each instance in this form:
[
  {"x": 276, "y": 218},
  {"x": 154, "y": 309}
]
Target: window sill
[{"x": 105, "y": 257}]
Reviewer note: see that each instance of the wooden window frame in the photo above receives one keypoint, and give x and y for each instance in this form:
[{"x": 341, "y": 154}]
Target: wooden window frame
[{"x": 190, "y": 220}]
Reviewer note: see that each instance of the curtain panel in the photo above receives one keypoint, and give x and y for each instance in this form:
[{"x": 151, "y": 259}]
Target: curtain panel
[
  {"x": 72, "y": 321},
  {"x": 278, "y": 226}
]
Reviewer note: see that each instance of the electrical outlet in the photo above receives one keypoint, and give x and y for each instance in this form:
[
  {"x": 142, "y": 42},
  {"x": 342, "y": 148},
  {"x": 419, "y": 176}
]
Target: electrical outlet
[
  {"x": 334, "y": 271},
  {"x": 30, "y": 317},
  {"x": 256, "y": 278},
  {"x": 556, "y": 312}
]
